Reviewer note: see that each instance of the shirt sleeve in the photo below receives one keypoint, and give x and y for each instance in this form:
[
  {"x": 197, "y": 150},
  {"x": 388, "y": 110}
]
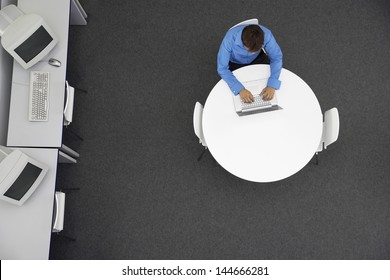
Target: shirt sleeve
[
  {"x": 223, "y": 67},
  {"x": 276, "y": 58}
]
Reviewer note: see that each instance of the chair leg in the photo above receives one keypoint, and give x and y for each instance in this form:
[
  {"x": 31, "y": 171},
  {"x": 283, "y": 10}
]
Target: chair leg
[
  {"x": 65, "y": 236},
  {"x": 74, "y": 134},
  {"x": 69, "y": 238},
  {"x": 79, "y": 89},
  {"x": 201, "y": 155},
  {"x": 69, "y": 189}
]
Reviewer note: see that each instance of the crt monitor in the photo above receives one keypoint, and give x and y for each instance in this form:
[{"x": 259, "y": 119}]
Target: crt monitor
[
  {"x": 28, "y": 39},
  {"x": 20, "y": 175}
]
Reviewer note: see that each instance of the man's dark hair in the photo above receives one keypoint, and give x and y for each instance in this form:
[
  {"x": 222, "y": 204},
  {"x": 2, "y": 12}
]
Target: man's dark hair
[{"x": 252, "y": 37}]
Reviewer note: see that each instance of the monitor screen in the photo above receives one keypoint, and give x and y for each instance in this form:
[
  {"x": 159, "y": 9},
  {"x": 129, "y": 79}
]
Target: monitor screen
[
  {"x": 24, "y": 182},
  {"x": 32, "y": 46}
]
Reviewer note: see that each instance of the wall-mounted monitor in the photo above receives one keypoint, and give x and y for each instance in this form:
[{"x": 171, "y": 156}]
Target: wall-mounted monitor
[
  {"x": 28, "y": 39},
  {"x": 20, "y": 175}
]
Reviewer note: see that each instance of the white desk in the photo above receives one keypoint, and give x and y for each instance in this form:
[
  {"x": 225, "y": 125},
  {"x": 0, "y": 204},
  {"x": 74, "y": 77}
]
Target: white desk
[
  {"x": 269, "y": 146},
  {"x": 25, "y": 231},
  {"x": 22, "y": 132}
]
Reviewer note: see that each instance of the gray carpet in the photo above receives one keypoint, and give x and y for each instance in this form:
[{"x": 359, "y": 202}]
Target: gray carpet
[{"x": 143, "y": 193}]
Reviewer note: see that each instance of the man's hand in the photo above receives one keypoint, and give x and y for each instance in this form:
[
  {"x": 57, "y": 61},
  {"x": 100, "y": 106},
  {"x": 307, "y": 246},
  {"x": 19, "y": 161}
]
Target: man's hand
[
  {"x": 246, "y": 96},
  {"x": 267, "y": 93}
]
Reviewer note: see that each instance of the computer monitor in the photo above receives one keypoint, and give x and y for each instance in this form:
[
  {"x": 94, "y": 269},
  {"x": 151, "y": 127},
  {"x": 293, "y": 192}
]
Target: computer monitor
[
  {"x": 28, "y": 39},
  {"x": 20, "y": 175}
]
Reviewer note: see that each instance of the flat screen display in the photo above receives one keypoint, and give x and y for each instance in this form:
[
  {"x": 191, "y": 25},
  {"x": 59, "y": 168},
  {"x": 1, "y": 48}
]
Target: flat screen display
[
  {"x": 24, "y": 182},
  {"x": 36, "y": 43}
]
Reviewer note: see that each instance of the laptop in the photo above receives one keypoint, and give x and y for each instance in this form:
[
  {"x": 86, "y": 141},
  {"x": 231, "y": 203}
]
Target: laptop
[{"x": 259, "y": 105}]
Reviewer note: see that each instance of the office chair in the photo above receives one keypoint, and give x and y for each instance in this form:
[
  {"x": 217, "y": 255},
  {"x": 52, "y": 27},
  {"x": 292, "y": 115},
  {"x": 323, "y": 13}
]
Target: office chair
[
  {"x": 330, "y": 130},
  {"x": 198, "y": 115},
  {"x": 59, "y": 213},
  {"x": 68, "y": 110},
  {"x": 8, "y": 14},
  {"x": 69, "y": 102}
]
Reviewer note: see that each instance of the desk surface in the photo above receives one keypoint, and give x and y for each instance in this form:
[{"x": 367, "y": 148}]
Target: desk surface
[
  {"x": 269, "y": 146},
  {"x": 22, "y": 132},
  {"x": 25, "y": 231}
]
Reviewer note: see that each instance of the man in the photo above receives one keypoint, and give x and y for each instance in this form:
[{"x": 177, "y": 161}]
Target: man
[{"x": 242, "y": 46}]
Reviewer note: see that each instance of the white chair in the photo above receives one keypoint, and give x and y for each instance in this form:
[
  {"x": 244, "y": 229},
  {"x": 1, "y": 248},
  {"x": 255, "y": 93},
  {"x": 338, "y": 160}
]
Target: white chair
[
  {"x": 330, "y": 130},
  {"x": 198, "y": 115},
  {"x": 59, "y": 213},
  {"x": 247, "y": 22},
  {"x": 66, "y": 154},
  {"x": 69, "y": 104}
]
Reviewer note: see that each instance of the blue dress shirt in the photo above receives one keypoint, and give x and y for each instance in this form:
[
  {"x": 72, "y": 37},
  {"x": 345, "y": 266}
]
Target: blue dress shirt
[{"x": 232, "y": 49}]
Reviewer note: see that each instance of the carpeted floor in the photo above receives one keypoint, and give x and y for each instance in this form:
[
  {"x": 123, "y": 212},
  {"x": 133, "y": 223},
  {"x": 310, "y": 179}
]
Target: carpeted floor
[{"x": 143, "y": 193}]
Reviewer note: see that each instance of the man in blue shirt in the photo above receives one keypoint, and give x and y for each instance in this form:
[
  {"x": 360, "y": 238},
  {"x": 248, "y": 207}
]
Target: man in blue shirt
[{"x": 243, "y": 45}]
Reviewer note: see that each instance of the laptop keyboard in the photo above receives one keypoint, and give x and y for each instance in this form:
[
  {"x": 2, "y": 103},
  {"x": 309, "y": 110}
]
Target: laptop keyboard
[{"x": 259, "y": 102}]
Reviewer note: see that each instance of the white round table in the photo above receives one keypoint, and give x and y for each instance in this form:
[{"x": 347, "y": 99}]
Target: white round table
[{"x": 263, "y": 147}]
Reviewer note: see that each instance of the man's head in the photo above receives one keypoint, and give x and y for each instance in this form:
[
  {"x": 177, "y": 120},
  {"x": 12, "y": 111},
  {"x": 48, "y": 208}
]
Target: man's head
[{"x": 252, "y": 37}]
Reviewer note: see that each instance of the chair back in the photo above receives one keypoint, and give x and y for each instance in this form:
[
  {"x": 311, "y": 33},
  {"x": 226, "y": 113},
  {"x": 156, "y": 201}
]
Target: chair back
[
  {"x": 247, "y": 22},
  {"x": 59, "y": 211},
  {"x": 198, "y": 115},
  {"x": 69, "y": 102},
  {"x": 331, "y": 126}
]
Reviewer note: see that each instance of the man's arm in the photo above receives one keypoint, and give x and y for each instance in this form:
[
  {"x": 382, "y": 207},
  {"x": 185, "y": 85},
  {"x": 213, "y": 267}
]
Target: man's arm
[
  {"x": 223, "y": 67},
  {"x": 276, "y": 58}
]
